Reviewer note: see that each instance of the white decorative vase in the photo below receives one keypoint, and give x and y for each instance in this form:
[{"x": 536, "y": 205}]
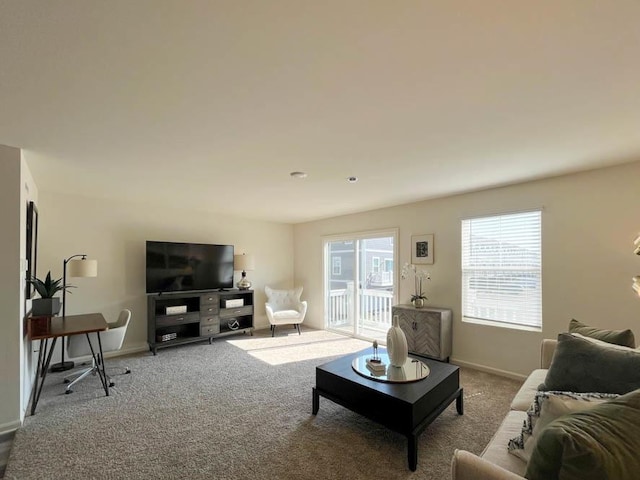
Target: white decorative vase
[{"x": 397, "y": 344}]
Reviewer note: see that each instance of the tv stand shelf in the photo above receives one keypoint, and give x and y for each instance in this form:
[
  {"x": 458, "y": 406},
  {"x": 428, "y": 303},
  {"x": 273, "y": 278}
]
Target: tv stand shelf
[{"x": 187, "y": 317}]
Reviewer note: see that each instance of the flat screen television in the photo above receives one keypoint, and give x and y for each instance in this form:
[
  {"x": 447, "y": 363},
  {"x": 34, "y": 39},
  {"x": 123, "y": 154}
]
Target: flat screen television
[{"x": 180, "y": 267}]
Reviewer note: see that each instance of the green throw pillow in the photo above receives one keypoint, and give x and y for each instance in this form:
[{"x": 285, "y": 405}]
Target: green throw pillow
[
  {"x": 583, "y": 365},
  {"x": 618, "y": 337},
  {"x": 597, "y": 444}
]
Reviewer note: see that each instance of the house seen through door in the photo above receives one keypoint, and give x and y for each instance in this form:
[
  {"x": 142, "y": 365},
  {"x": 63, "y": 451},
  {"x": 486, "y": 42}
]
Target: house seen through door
[{"x": 360, "y": 284}]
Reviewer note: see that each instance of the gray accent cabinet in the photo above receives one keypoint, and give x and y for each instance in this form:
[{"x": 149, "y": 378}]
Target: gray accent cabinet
[{"x": 428, "y": 330}]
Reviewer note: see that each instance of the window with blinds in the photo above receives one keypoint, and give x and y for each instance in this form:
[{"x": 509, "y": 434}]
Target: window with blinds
[{"x": 502, "y": 269}]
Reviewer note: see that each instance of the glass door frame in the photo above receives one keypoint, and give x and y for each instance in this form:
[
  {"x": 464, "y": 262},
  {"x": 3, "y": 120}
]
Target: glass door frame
[{"x": 357, "y": 282}]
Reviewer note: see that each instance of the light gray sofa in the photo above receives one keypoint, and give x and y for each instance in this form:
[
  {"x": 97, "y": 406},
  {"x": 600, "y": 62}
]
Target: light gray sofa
[{"x": 496, "y": 463}]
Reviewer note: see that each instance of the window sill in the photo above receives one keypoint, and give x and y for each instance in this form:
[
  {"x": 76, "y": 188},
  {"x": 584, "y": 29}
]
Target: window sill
[{"x": 509, "y": 326}]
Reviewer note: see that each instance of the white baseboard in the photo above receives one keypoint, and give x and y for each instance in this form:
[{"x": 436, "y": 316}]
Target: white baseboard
[
  {"x": 10, "y": 427},
  {"x": 142, "y": 347},
  {"x": 483, "y": 368}
]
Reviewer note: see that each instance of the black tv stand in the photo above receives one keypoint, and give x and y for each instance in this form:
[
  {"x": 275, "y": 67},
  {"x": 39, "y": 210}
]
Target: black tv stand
[{"x": 188, "y": 317}]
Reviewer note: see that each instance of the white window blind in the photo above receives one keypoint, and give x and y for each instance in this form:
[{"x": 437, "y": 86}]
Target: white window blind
[{"x": 502, "y": 269}]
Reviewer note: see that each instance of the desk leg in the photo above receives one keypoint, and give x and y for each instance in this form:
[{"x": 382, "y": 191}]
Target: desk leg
[
  {"x": 104, "y": 368},
  {"x": 34, "y": 390},
  {"x": 44, "y": 359}
]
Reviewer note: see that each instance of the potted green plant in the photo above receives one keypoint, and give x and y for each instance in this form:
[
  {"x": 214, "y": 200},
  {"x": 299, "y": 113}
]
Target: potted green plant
[{"x": 47, "y": 304}]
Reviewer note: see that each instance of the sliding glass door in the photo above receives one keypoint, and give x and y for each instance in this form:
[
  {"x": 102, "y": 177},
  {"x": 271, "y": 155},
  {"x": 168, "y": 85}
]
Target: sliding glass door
[{"x": 360, "y": 283}]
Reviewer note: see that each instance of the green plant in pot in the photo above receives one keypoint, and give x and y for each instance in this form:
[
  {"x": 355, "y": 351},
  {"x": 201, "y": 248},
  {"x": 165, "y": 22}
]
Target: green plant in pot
[{"x": 47, "y": 304}]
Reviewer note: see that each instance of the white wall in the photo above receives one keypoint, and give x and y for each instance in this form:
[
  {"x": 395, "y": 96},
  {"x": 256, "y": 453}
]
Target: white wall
[
  {"x": 114, "y": 233},
  {"x": 589, "y": 223},
  {"x": 16, "y": 189},
  {"x": 10, "y": 292},
  {"x": 28, "y": 350}
]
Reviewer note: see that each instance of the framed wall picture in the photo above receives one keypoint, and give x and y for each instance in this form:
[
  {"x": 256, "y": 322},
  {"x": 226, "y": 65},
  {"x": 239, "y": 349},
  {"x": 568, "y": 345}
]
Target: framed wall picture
[
  {"x": 32, "y": 246},
  {"x": 422, "y": 249}
]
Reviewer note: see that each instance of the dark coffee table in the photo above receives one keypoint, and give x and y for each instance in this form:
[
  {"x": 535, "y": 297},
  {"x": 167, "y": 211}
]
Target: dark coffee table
[{"x": 407, "y": 408}]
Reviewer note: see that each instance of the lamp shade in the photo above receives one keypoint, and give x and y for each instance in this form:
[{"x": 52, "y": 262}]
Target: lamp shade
[
  {"x": 243, "y": 262},
  {"x": 82, "y": 268}
]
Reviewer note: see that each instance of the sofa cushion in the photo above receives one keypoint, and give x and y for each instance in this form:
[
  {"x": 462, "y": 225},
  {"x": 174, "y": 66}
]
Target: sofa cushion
[
  {"x": 496, "y": 451},
  {"x": 546, "y": 407},
  {"x": 525, "y": 396},
  {"x": 286, "y": 314},
  {"x": 600, "y": 443},
  {"x": 618, "y": 337},
  {"x": 584, "y": 365},
  {"x": 467, "y": 466}
]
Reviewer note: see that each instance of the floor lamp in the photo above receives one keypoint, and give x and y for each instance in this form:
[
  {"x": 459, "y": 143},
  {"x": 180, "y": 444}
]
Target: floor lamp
[{"x": 78, "y": 267}]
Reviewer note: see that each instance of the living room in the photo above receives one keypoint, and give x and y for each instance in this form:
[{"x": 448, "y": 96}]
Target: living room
[{"x": 588, "y": 223}]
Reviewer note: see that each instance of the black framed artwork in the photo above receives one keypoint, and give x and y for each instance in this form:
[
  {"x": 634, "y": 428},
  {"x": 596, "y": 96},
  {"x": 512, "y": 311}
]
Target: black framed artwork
[
  {"x": 32, "y": 246},
  {"x": 422, "y": 247}
]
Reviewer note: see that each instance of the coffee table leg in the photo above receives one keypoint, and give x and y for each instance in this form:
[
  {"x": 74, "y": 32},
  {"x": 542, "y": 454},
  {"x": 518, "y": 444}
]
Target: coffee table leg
[
  {"x": 460, "y": 403},
  {"x": 412, "y": 451},
  {"x": 315, "y": 401}
]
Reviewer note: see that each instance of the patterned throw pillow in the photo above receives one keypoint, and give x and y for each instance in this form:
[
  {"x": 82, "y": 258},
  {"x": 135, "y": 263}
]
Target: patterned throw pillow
[
  {"x": 546, "y": 407},
  {"x": 596, "y": 444}
]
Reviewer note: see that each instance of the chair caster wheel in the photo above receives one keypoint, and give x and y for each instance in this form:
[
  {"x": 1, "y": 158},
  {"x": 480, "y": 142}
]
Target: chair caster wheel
[
  {"x": 67, "y": 392},
  {"x": 127, "y": 372}
]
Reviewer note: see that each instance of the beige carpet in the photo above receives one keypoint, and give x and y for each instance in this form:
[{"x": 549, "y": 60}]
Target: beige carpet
[{"x": 237, "y": 409}]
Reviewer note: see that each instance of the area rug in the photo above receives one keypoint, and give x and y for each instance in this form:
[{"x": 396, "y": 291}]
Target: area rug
[{"x": 237, "y": 409}]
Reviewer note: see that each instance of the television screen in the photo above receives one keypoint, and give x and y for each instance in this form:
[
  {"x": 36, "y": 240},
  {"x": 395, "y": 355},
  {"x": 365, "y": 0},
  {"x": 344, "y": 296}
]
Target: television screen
[{"x": 179, "y": 267}]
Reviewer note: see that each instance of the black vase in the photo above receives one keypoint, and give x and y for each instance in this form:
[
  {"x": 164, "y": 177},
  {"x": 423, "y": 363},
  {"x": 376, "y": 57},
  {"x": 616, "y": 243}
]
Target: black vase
[{"x": 45, "y": 306}]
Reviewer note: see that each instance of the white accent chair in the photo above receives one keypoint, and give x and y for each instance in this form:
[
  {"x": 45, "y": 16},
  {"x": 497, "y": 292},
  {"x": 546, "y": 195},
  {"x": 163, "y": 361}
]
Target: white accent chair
[
  {"x": 284, "y": 307},
  {"x": 111, "y": 339}
]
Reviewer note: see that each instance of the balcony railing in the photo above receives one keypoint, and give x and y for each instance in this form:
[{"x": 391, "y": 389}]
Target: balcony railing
[{"x": 375, "y": 308}]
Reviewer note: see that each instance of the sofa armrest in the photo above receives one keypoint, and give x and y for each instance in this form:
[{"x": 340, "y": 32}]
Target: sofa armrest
[
  {"x": 467, "y": 466},
  {"x": 269, "y": 309},
  {"x": 303, "y": 309},
  {"x": 547, "y": 349}
]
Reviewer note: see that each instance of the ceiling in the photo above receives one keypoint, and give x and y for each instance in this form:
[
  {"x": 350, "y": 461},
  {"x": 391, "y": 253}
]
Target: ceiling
[{"x": 211, "y": 104}]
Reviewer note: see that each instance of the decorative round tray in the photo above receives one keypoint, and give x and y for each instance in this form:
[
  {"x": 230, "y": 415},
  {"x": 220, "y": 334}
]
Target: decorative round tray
[{"x": 412, "y": 370}]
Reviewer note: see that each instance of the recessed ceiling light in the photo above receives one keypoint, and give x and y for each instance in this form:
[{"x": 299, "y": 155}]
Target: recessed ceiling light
[
  {"x": 352, "y": 179},
  {"x": 298, "y": 174}
]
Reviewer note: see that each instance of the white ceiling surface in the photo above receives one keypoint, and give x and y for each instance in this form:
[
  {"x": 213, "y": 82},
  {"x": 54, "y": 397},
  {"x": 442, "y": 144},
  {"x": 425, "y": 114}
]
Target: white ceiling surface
[{"x": 210, "y": 104}]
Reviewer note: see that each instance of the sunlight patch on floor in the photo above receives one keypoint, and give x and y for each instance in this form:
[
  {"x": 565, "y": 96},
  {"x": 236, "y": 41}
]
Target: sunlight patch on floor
[{"x": 291, "y": 347}]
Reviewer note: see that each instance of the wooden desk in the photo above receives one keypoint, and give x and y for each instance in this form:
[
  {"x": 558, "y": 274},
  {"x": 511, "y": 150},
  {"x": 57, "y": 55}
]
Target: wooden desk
[{"x": 51, "y": 328}]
